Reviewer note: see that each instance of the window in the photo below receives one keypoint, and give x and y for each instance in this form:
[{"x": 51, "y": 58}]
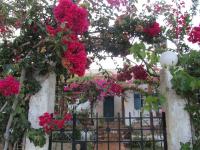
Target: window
[{"x": 138, "y": 101}]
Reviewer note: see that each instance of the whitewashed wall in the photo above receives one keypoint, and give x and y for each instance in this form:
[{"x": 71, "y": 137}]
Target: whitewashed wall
[
  {"x": 99, "y": 108},
  {"x": 128, "y": 105},
  {"x": 177, "y": 118},
  {"x": 41, "y": 102},
  {"x": 117, "y": 105}
]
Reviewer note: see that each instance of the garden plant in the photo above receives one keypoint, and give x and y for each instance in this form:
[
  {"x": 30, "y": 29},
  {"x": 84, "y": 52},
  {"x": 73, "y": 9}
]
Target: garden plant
[{"x": 65, "y": 36}]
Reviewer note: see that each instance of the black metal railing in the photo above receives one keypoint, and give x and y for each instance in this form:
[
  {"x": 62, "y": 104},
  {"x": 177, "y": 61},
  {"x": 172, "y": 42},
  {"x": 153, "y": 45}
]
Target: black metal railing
[{"x": 99, "y": 133}]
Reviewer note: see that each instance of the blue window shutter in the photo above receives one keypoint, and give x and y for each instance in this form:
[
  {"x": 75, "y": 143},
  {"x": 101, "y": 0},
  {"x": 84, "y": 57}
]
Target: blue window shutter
[{"x": 137, "y": 101}]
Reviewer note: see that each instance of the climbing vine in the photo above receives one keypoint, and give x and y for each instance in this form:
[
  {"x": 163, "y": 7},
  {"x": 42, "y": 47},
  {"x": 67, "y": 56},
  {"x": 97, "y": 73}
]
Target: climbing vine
[{"x": 38, "y": 37}]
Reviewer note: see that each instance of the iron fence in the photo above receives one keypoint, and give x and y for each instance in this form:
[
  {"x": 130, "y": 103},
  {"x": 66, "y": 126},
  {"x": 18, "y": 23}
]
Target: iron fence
[{"x": 100, "y": 133}]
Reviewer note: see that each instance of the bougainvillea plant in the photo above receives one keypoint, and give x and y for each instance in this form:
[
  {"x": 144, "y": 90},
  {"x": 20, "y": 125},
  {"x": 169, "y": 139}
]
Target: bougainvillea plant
[
  {"x": 137, "y": 72},
  {"x": 39, "y": 36},
  {"x": 49, "y": 39},
  {"x": 92, "y": 90},
  {"x": 9, "y": 86},
  {"x": 49, "y": 122}
]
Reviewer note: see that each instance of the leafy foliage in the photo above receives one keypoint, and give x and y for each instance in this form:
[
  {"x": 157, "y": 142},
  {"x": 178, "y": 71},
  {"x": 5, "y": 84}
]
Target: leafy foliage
[
  {"x": 31, "y": 86},
  {"x": 32, "y": 38},
  {"x": 184, "y": 83},
  {"x": 37, "y": 136},
  {"x": 154, "y": 102},
  {"x": 185, "y": 146}
]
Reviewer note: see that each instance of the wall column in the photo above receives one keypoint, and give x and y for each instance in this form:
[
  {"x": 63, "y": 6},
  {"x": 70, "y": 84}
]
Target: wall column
[
  {"x": 41, "y": 102},
  {"x": 177, "y": 118}
]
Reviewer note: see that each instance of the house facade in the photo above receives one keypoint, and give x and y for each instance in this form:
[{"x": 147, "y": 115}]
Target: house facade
[{"x": 130, "y": 104}]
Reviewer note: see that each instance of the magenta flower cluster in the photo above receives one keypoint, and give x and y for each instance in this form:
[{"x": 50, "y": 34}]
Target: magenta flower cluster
[{"x": 9, "y": 86}]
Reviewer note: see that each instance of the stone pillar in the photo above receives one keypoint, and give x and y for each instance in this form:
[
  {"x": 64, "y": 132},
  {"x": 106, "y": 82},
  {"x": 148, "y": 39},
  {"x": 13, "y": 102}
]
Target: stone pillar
[
  {"x": 177, "y": 119},
  {"x": 41, "y": 102}
]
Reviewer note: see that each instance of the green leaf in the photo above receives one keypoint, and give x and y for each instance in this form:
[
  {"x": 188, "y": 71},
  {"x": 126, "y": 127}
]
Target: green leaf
[
  {"x": 37, "y": 136},
  {"x": 185, "y": 146},
  {"x": 152, "y": 103},
  {"x": 29, "y": 21},
  {"x": 137, "y": 47},
  {"x": 138, "y": 50}
]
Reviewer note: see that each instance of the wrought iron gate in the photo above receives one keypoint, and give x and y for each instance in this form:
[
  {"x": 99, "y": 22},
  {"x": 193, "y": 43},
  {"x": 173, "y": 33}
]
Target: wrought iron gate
[{"x": 99, "y": 133}]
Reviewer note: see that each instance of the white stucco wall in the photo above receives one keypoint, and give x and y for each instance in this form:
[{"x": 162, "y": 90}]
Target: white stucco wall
[
  {"x": 117, "y": 105},
  {"x": 41, "y": 102},
  {"x": 177, "y": 118},
  {"x": 129, "y": 105},
  {"x": 99, "y": 108}
]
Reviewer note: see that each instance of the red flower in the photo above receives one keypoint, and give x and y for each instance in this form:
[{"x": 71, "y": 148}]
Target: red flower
[
  {"x": 2, "y": 29},
  {"x": 49, "y": 123},
  {"x": 76, "y": 56},
  {"x": 59, "y": 123},
  {"x": 9, "y": 86},
  {"x": 68, "y": 117},
  {"x": 139, "y": 72},
  {"x": 45, "y": 119},
  {"x": 53, "y": 31},
  {"x": 106, "y": 87},
  {"x": 76, "y": 18},
  {"x": 116, "y": 88},
  {"x": 153, "y": 30},
  {"x": 66, "y": 88},
  {"x": 194, "y": 35},
  {"x": 182, "y": 25}
]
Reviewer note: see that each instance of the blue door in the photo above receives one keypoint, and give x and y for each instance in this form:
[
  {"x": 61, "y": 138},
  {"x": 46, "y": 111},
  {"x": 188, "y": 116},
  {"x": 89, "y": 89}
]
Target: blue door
[
  {"x": 137, "y": 101},
  {"x": 108, "y": 108}
]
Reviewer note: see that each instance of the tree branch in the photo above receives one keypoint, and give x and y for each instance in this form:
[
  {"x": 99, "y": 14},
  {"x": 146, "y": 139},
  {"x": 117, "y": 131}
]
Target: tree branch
[
  {"x": 2, "y": 108},
  {"x": 10, "y": 120}
]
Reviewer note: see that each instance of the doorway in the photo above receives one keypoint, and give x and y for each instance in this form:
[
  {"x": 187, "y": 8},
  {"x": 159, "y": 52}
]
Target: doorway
[{"x": 108, "y": 108}]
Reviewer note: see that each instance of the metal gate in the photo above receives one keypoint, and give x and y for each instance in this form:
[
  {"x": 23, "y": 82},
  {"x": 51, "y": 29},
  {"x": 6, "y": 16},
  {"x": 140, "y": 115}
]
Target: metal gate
[{"x": 99, "y": 133}]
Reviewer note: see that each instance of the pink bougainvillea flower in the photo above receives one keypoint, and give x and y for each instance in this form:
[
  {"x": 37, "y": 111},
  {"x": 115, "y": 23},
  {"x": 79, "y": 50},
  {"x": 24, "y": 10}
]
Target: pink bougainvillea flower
[
  {"x": 9, "y": 86},
  {"x": 157, "y": 8},
  {"x": 153, "y": 30},
  {"x": 66, "y": 88},
  {"x": 76, "y": 18},
  {"x": 45, "y": 118},
  {"x": 117, "y": 3},
  {"x": 116, "y": 89},
  {"x": 53, "y": 31},
  {"x": 2, "y": 29},
  {"x": 49, "y": 123},
  {"x": 59, "y": 123},
  {"x": 139, "y": 72},
  {"x": 68, "y": 117},
  {"x": 107, "y": 88},
  {"x": 77, "y": 57},
  {"x": 194, "y": 35}
]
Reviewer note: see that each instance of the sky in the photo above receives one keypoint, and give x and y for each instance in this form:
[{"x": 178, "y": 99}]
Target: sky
[{"x": 110, "y": 64}]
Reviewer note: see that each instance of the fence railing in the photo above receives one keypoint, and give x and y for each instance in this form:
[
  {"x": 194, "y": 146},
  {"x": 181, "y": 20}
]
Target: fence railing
[{"x": 100, "y": 133}]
